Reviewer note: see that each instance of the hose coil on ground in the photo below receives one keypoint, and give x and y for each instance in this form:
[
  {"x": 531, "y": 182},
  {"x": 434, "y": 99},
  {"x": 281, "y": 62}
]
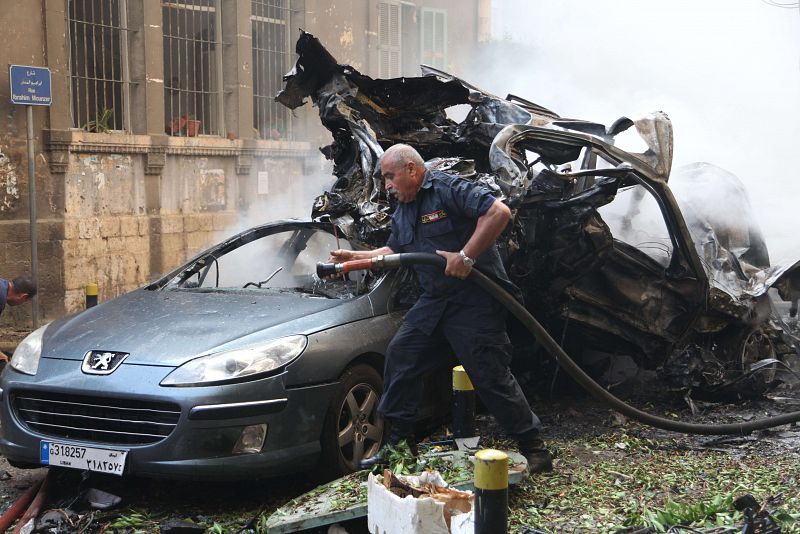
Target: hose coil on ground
[{"x": 554, "y": 349}]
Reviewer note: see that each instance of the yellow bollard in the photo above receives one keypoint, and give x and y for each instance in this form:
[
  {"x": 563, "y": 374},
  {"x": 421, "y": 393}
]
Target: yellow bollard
[
  {"x": 91, "y": 295},
  {"x": 463, "y": 404},
  {"x": 491, "y": 492}
]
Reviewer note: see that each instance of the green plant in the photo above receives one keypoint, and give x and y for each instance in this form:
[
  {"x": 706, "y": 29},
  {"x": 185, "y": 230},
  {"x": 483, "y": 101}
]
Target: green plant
[
  {"x": 134, "y": 520},
  {"x": 719, "y": 510},
  {"x": 401, "y": 459},
  {"x": 102, "y": 122}
]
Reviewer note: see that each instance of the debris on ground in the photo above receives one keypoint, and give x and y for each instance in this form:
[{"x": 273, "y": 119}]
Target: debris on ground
[
  {"x": 346, "y": 498},
  {"x": 423, "y": 503},
  {"x": 57, "y": 522},
  {"x": 176, "y": 526},
  {"x": 607, "y": 479},
  {"x": 101, "y": 500}
]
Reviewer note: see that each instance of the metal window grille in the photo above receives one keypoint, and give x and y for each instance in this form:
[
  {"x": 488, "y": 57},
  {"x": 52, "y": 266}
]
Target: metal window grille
[
  {"x": 270, "y": 21},
  {"x": 98, "y": 70},
  {"x": 434, "y": 38},
  {"x": 389, "y": 42},
  {"x": 192, "y": 67}
]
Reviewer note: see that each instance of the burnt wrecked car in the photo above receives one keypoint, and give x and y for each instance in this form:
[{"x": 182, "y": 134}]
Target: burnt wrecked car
[
  {"x": 239, "y": 364},
  {"x": 610, "y": 259}
]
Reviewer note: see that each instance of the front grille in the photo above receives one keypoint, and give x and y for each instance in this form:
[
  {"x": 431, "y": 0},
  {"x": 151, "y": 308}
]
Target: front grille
[{"x": 96, "y": 419}]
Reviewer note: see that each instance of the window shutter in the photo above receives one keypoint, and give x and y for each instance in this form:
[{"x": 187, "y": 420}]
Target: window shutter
[
  {"x": 389, "y": 40},
  {"x": 434, "y": 38}
]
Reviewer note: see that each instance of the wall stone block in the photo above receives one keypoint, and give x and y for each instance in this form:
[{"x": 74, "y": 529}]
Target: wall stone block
[
  {"x": 109, "y": 226},
  {"x": 14, "y": 232},
  {"x": 18, "y": 251},
  {"x": 171, "y": 224},
  {"x": 89, "y": 228},
  {"x": 72, "y": 229},
  {"x": 202, "y": 222},
  {"x": 226, "y": 221},
  {"x": 129, "y": 226}
]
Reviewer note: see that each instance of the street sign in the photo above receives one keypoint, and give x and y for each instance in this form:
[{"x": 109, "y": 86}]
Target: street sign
[{"x": 30, "y": 86}]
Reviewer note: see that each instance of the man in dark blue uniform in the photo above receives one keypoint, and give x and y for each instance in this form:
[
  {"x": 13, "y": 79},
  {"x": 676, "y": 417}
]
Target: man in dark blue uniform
[
  {"x": 459, "y": 220},
  {"x": 17, "y": 291}
]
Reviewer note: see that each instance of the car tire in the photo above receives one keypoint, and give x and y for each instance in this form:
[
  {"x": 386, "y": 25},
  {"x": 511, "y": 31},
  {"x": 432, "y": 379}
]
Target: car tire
[
  {"x": 353, "y": 428},
  {"x": 748, "y": 347}
]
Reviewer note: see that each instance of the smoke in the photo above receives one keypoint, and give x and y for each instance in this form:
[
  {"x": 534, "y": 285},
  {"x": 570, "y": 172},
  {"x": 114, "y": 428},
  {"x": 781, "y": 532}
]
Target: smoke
[
  {"x": 726, "y": 72},
  {"x": 280, "y": 193}
]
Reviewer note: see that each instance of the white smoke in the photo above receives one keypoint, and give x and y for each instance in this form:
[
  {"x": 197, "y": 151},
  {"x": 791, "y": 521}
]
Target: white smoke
[{"x": 727, "y": 72}]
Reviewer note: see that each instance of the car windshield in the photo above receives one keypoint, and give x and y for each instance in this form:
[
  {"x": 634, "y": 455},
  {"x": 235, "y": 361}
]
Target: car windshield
[{"x": 272, "y": 261}]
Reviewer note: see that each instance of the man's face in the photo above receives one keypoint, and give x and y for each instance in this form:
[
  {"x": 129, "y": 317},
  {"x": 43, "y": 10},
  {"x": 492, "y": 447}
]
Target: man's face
[
  {"x": 14, "y": 298},
  {"x": 401, "y": 180}
]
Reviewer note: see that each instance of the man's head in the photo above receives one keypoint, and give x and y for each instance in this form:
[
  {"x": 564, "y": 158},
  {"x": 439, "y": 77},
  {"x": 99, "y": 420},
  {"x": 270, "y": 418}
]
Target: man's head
[
  {"x": 20, "y": 290},
  {"x": 403, "y": 170}
]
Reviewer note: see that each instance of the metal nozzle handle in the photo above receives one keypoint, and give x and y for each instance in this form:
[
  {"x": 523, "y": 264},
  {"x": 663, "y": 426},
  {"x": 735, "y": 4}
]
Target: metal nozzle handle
[{"x": 326, "y": 269}]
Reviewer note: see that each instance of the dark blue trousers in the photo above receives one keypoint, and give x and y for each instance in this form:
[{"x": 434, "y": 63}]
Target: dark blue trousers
[{"x": 478, "y": 337}]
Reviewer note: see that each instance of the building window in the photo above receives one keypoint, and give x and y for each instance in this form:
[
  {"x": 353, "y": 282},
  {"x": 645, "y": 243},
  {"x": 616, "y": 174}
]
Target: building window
[
  {"x": 98, "y": 70},
  {"x": 270, "y": 22},
  {"x": 389, "y": 42},
  {"x": 192, "y": 67},
  {"x": 433, "y": 46}
]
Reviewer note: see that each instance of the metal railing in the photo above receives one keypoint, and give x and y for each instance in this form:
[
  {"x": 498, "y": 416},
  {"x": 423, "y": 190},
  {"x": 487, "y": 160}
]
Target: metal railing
[
  {"x": 271, "y": 60},
  {"x": 192, "y": 67},
  {"x": 98, "y": 68}
]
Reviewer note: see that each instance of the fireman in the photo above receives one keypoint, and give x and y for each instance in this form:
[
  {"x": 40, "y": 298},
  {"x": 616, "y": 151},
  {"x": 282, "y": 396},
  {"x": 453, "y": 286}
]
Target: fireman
[{"x": 459, "y": 220}]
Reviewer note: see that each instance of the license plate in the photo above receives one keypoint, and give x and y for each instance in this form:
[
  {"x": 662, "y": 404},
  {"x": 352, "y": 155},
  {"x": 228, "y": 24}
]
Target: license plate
[{"x": 79, "y": 457}]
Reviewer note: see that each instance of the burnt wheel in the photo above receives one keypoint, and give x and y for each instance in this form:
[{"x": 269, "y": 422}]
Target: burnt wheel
[
  {"x": 754, "y": 347},
  {"x": 353, "y": 428},
  {"x": 744, "y": 348}
]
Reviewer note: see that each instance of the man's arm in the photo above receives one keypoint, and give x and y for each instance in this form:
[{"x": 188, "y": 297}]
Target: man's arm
[
  {"x": 488, "y": 228},
  {"x": 341, "y": 255}
]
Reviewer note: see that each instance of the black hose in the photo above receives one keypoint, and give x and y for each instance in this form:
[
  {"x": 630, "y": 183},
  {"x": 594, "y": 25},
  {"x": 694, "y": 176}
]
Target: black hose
[{"x": 566, "y": 363}]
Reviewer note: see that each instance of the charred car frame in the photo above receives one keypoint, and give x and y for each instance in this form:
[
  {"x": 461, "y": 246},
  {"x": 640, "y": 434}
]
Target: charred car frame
[{"x": 692, "y": 301}]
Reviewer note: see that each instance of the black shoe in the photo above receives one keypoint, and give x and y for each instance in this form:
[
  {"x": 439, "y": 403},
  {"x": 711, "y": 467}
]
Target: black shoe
[
  {"x": 539, "y": 458},
  {"x": 382, "y": 456}
]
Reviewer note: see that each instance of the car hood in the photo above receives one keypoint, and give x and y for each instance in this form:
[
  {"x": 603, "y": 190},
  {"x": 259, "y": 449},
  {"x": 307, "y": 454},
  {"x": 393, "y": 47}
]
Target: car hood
[{"x": 170, "y": 327}]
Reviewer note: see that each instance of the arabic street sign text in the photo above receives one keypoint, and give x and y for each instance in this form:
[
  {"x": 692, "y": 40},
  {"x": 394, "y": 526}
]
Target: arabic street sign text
[{"x": 30, "y": 86}]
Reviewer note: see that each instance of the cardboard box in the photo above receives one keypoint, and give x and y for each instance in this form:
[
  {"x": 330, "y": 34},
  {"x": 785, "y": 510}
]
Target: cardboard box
[{"x": 389, "y": 514}]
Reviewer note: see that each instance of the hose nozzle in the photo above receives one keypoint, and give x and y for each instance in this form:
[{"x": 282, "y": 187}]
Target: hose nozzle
[
  {"x": 391, "y": 261},
  {"x": 325, "y": 270}
]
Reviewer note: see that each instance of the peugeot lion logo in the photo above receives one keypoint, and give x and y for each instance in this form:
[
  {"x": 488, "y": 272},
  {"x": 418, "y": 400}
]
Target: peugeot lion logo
[{"x": 101, "y": 362}]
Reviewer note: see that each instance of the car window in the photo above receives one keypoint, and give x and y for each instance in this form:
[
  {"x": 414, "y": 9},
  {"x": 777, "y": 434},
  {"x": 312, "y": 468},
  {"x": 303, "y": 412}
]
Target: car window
[
  {"x": 317, "y": 248},
  {"x": 635, "y": 218},
  {"x": 281, "y": 261}
]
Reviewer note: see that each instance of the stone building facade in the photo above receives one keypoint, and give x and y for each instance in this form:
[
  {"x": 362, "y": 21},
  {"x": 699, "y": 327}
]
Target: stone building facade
[{"x": 163, "y": 136}]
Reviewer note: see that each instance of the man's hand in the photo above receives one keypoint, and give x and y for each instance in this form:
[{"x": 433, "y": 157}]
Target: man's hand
[
  {"x": 455, "y": 264},
  {"x": 340, "y": 256}
]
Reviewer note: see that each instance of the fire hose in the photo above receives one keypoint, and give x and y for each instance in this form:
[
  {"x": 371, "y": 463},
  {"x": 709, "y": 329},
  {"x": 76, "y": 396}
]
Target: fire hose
[{"x": 393, "y": 261}]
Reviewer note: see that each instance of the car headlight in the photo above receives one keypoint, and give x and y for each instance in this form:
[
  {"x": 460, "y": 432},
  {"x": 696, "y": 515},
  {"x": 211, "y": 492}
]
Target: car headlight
[
  {"x": 238, "y": 364},
  {"x": 27, "y": 354}
]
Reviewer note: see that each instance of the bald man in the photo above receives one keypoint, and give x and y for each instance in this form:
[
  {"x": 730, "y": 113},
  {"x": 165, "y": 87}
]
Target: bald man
[{"x": 459, "y": 220}]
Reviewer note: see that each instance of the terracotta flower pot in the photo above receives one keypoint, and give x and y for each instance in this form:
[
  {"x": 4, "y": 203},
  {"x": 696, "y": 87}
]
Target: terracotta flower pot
[
  {"x": 192, "y": 127},
  {"x": 176, "y": 126}
]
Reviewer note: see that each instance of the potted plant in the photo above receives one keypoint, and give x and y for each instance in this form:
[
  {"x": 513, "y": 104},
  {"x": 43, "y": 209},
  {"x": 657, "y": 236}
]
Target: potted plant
[
  {"x": 176, "y": 125},
  {"x": 192, "y": 125},
  {"x": 101, "y": 123}
]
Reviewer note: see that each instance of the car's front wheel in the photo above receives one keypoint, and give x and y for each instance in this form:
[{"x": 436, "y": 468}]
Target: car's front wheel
[{"x": 353, "y": 428}]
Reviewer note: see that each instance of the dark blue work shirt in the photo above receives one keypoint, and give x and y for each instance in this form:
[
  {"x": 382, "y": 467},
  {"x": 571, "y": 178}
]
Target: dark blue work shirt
[
  {"x": 3, "y": 293},
  {"x": 443, "y": 217}
]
